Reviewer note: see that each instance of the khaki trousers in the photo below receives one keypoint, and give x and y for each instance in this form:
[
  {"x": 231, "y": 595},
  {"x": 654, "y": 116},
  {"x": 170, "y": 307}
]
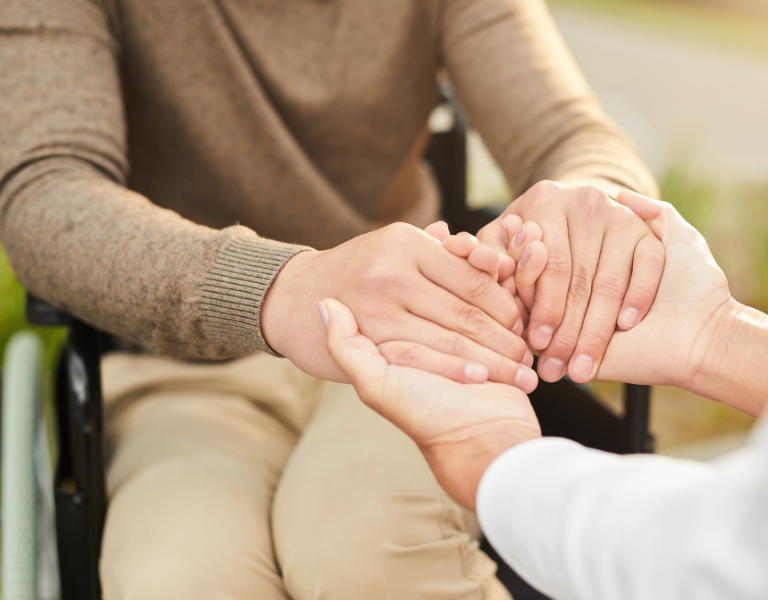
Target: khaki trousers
[{"x": 252, "y": 480}]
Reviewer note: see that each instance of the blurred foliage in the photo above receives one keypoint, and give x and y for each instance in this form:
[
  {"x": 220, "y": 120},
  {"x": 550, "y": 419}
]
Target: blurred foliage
[
  {"x": 12, "y": 317},
  {"x": 694, "y": 197},
  {"x": 734, "y": 220}
]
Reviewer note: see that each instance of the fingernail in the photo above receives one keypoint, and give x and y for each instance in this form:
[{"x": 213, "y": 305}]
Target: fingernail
[
  {"x": 518, "y": 328},
  {"x": 520, "y": 237},
  {"x": 528, "y": 359},
  {"x": 541, "y": 337},
  {"x": 582, "y": 366},
  {"x": 552, "y": 369},
  {"x": 323, "y": 313},
  {"x": 629, "y": 316},
  {"x": 526, "y": 255},
  {"x": 475, "y": 373},
  {"x": 505, "y": 233},
  {"x": 526, "y": 379}
]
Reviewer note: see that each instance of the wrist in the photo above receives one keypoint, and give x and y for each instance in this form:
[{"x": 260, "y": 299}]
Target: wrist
[
  {"x": 731, "y": 370},
  {"x": 284, "y": 307},
  {"x": 459, "y": 468}
]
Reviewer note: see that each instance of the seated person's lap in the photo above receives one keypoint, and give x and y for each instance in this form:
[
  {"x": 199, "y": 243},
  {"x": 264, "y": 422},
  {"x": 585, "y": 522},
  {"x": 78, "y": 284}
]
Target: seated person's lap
[{"x": 198, "y": 453}]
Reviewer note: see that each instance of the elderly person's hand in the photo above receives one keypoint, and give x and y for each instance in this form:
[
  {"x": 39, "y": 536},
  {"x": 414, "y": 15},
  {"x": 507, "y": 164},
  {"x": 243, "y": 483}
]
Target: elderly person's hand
[
  {"x": 459, "y": 428},
  {"x": 604, "y": 267},
  {"x": 688, "y": 336}
]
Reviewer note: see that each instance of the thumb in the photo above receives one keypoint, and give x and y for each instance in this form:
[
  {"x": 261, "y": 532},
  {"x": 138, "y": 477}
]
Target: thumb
[
  {"x": 357, "y": 356},
  {"x": 495, "y": 235},
  {"x": 663, "y": 218}
]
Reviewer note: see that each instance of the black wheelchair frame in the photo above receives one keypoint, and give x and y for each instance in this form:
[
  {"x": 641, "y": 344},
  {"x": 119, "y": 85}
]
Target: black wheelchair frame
[{"x": 565, "y": 409}]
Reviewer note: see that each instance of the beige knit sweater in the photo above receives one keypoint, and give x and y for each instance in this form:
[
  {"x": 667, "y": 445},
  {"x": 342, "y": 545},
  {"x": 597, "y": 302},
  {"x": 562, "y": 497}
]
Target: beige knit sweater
[{"x": 250, "y": 127}]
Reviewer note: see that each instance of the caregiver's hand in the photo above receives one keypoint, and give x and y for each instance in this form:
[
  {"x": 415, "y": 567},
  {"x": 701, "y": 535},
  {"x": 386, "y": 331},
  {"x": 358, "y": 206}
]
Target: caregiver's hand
[
  {"x": 460, "y": 429},
  {"x": 604, "y": 268},
  {"x": 696, "y": 336},
  {"x": 421, "y": 305}
]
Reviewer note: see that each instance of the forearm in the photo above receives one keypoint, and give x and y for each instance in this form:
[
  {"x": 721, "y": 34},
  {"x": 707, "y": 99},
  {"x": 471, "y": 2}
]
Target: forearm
[
  {"x": 128, "y": 267},
  {"x": 733, "y": 369},
  {"x": 581, "y": 524}
]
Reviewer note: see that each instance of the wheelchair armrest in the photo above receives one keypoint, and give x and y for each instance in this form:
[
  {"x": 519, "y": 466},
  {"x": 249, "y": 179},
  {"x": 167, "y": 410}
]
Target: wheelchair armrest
[{"x": 41, "y": 313}]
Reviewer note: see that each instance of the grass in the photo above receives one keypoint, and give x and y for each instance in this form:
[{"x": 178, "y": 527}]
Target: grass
[
  {"x": 12, "y": 317},
  {"x": 717, "y": 25}
]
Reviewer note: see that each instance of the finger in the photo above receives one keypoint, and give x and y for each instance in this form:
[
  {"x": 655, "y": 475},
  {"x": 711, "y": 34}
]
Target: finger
[
  {"x": 608, "y": 291},
  {"x": 507, "y": 267},
  {"x": 529, "y": 232},
  {"x": 512, "y": 224},
  {"x": 461, "y": 244},
  {"x": 438, "y": 230},
  {"x": 585, "y": 244},
  {"x": 552, "y": 287},
  {"x": 532, "y": 264},
  {"x": 661, "y": 217},
  {"x": 524, "y": 316},
  {"x": 486, "y": 259},
  {"x": 495, "y": 235},
  {"x": 419, "y": 356},
  {"x": 357, "y": 356},
  {"x": 502, "y": 369},
  {"x": 509, "y": 285},
  {"x": 647, "y": 269},
  {"x": 471, "y": 285},
  {"x": 644, "y": 207},
  {"x": 435, "y": 304}
]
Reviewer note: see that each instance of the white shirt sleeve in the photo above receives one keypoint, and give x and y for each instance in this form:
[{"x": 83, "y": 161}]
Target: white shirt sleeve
[{"x": 582, "y": 524}]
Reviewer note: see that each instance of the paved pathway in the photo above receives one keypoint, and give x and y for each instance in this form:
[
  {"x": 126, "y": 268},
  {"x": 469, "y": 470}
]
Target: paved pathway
[{"x": 672, "y": 93}]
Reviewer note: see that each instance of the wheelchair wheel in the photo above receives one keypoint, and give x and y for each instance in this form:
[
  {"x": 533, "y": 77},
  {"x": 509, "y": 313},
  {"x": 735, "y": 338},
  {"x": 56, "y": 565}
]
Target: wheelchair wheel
[{"x": 22, "y": 391}]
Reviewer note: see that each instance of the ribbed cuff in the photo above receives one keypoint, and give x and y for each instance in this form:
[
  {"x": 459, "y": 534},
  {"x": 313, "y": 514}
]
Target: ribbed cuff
[{"x": 234, "y": 290}]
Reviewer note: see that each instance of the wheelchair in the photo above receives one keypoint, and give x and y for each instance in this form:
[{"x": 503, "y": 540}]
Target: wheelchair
[{"x": 564, "y": 409}]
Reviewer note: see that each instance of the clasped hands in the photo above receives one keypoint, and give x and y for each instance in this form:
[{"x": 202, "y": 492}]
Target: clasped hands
[
  {"x": 462, "y": 428},
  {"x": 427, "y": 308}
]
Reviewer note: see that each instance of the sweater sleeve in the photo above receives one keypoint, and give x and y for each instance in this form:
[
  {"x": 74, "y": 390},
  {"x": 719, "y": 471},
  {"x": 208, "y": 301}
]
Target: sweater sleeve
[
  {"x": 579, "y": 524},
  {"x": 75, "y": 235},
  {"x": 524, "y": 93}
]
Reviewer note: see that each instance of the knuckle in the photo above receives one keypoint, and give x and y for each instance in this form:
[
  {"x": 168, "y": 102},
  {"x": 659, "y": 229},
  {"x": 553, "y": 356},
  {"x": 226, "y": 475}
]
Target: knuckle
[
  {"x": 503, "y": 370},
  {"x": 558, "y": 264},
  {"x": 478, "y": 283},
  {"x": 653, "y": 249},
  {"x": 400, "y": 230},
  {"x": 471, "y": 320},
  {"x": 580, "y": 287},
  {"x": 407, "y": 355},
  {"x": 608, "y": 287},
  {"x": 593, "y": 202},
  {"x": 563, "y": 344},
  {"x": 594, "y": 195},
  {"x": 375, "y": 312},
  {"x": 545, "y": 187},
  {"x": 593, "y": 339},
  {"x": 455, "y": 344},
  {"x": 643, "y": 293},
  {"x": 384, "y": 274}
]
